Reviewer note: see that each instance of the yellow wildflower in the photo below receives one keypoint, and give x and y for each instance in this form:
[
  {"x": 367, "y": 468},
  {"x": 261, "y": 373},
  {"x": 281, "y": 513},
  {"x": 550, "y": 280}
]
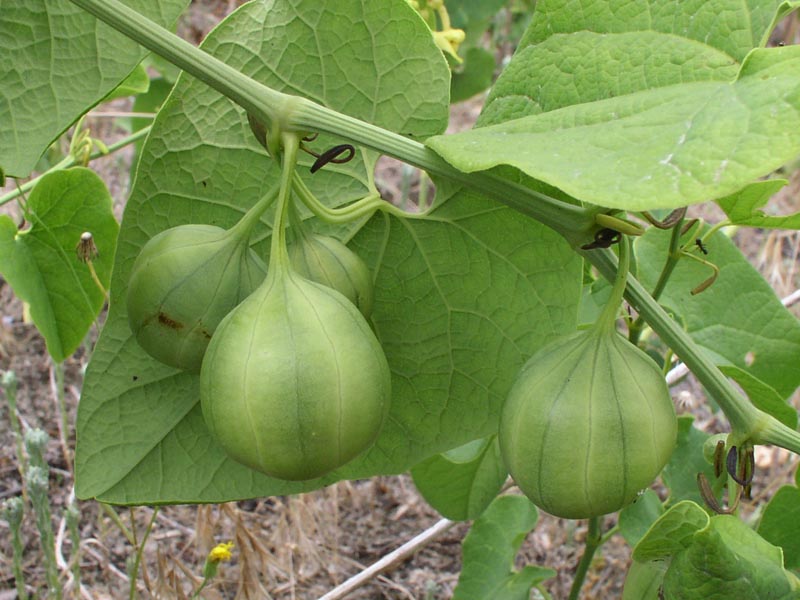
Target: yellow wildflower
[{"x": 220, "y": 552}]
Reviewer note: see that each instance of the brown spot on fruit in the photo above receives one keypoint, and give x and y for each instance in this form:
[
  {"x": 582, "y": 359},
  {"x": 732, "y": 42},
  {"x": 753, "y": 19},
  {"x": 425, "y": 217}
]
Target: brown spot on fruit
[{"x": 171, "y": 323}]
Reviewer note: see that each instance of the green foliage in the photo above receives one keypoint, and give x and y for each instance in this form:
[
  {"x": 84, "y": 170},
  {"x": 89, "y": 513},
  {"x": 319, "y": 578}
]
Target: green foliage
[
  {"x": 744, "y": 207},
  {"x": 462, "y": 482},
  {"x": 727, "y": 559},
  {"x": 466, "y": 280},
  {"x": 657, "y": 148},
  {"x": 489, "y": 551},
  {"x": 780, "y": 524},
  {"x": 752, "y": 331},
  {"x": 635, "y": 104},
  {"x": 66, "y": 60},
  {"x": 680, "y": 474},
  {"x": 672, "y": 532},
  {"x": 712, "y": 557},
  {"x": 636, "y": 518},
  {"x": 41, "y": 262},
  {"x": 137, "y": 82},
  {"x": 643, "y": 581}
]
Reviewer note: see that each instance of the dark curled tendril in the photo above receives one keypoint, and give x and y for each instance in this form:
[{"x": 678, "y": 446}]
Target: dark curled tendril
[
  {"x": 711, "y": 501},
  {"x": 743, "y": 475},
  {"x": 334, "y": 155},
  {"x": 604, "y": 238},
  {"x": 310, "y": 137},
  {"x": 672, "y": 219}
]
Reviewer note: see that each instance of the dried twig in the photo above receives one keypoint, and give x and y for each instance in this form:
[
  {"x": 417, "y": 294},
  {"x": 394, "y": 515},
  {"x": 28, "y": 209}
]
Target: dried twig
[{"x": 390, "y": 560}]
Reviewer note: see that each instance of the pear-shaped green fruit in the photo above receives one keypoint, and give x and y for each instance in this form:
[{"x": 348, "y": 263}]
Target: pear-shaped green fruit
[
  {"x": 328, "y": 261},
  {"x": 587, "y": 425},
  {"x": 184, "y": 281},
  {"x": 294, "y": 383}
]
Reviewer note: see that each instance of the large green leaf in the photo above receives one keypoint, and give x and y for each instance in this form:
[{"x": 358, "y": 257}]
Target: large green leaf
[
  {"x": 42, "y": 265},
  {"x": 462, "y": 482},
  {"x": 738, "y": 320},
  {"x": 58, "y": 61},
  {"x": 581, "y": 67},
  {"x": 731, "y": 26},
  {"x": 672, "y": 532},
  {"x": 729, "y": 560},
  {"x": 636, "y": 518},
  {"x": 462, "y": 297},
  {"x": 744, "y": 207},
  {"x": 780, "y": 524},
  {"x": 489, "y": 551},
  {"x": 657, "y": 148}
]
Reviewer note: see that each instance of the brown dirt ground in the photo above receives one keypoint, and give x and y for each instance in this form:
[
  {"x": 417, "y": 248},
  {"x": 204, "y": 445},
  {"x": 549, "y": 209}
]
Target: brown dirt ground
[{"x": 295, "y": 547}]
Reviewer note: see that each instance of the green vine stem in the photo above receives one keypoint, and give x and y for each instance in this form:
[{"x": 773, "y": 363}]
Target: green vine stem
[
  {"x": 575, "y": 223},
  {"x": 673, "y": 256},
  {"x": 593, "y": 541},
  {"x": 71, "y": 161},
  {"x": 139, "y": 551},
  {"x": 290, "y": 113}
]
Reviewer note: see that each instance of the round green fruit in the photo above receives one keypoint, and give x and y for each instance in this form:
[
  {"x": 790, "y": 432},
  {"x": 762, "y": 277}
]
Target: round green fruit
[
  {"x": 184, "y": 281},
  {"x": 587, "y": 425},
  {"x": 294, "y": 383},
  {"x": 328, "y": 261}
]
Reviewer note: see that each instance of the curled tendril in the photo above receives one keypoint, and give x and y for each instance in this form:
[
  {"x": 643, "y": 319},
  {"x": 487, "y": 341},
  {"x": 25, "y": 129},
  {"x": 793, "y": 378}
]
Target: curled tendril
[
  {"x": 741, "y": 471},
  {"x": 708, "y": 496},
  {"x": 672, "y": 219},
  {"x": 604, "y": 238},
  {"x": 740, "y": 465},
  {"x": 336, "y": 155}
]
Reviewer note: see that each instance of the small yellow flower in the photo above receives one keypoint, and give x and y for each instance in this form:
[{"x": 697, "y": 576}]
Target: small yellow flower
[
  {"x": 449, "y": 40},
  {"x": 220, "y": 552}
]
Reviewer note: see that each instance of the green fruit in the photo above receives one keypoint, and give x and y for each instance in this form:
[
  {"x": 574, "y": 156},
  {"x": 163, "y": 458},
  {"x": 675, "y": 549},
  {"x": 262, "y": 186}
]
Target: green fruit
[
  {"x": 184, "y": 281},
  {"x": 328, "y": 261},
  {"x": 587, "y": 425},
  {"x": 294, "y": 383},
  {"x": 589, "y": 421}
]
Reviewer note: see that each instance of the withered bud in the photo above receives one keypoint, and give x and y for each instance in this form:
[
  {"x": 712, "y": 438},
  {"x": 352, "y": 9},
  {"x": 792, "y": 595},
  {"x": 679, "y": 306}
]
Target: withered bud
[{"x": 86, "y": 248}]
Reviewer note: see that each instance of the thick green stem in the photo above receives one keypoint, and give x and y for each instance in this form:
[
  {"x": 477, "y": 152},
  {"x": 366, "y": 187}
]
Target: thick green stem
[
  {"x": 593, "y": 542},
  {"x": 290, "y": 113}
]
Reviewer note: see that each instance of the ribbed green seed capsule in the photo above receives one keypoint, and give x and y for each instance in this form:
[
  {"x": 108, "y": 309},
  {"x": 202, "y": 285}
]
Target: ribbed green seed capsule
[
  {"x": 328, "y": 261},
  {"x": 589, "y": 421},
  {"x": 184, "y": 281},
  {"x": 294, "y": 383},
  {"x": 587, "y": 425}
]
